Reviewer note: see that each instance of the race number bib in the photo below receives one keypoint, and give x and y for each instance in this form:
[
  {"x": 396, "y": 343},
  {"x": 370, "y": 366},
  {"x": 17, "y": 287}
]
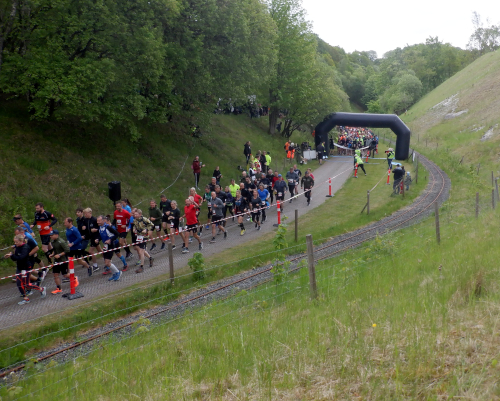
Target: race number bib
[
  {"x": 291, "y": 181},
  {"x": 280, "y": 193},
  {"x": 38, "y": 226},
  {"x": 118, "y": 221},
  {"x": 105, "y": 247},
  {"x": 172, "y": 224},
  {"x": 140, "y": 238}
]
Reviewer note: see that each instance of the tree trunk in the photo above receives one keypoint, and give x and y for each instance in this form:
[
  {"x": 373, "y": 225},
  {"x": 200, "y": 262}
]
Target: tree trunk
[
  {"x": 273, "y": 113},
  {"x": 8, "y": 27}
]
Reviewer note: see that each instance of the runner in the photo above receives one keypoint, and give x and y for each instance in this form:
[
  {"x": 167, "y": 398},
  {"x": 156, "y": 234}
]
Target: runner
[
  {"x": 255, "y": 205},
  {"x": 223, "y": 197},
  {"x": 85, "y": 242},
  {"x": 320, "y": 149},
  {"x": 142, "y": 226},
  {"x": 307, "y": 183},
  {"x": 20, "y": 255},
  {"x": 218, "y": 175},
  {"x": 240, "y": 207},
  {"x": 91, "y": 229},
  {"x": 207, "y": 197},
  {"x": 128, "y": 207},
  {"x": 109, "y": 237},
  {"x": 155, "y": 216},
  {"x": 165, "y": 207},
  {"x": 229, "y": 202},
  {"x": 217, "y": 214},
  {"x": 44, "y": 221},
  {"x": 233, "y": 187},
  {"x": 75, "y": 243},
  {"x": 18, "y": 219},
  {"x": 198, "y": 200},
  {"x": 192, "y": 224},
  {"x": 264, "y": 198},
  {"x": 60, "y": 251},
  {"x": 280, "y": 188},
  {"x": 310, "y": 173},
  {"x": 122, "y": 220},
  {"x": 299, "y": 174},
  {"x": 33, "y": 255},
  {"x": 213, "y": 184},
  {"x": 173, "y": 219},
  {"x": 292, "y": 179}
]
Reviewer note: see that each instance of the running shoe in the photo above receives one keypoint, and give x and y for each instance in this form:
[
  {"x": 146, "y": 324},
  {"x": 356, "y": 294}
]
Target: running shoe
[
  {"x": 212, "y": 240},
  {"x": 138, "y": 263},
  {"x": 106, "y": 271},
  {"x": 162, "y": 247},
  {"x": 44, "y": 292},
  {"x": 151, "y": 262},
  {"x": 29, "y": 293},
  {"x": 117, "y": 276},
  {"x": 308, "y": 202},
  {"x": 152, "y": 247},
  {"x": 56, "y": 291},
  {"x": 112, "y": 278},
  {"x": 200, "y": 233},
  {"x": 225, "y": 234},
  {"x": 173, "y": 247},
  {"x": 248, "y": 218},
  {"x": 24, "y": 302},
  {"x": 129, "y": 255},
  {"x": 242, "y": 232},
  {"x": 125, "y": 268},
  {"x": 65, "y": 280},
  {"x": 95, "y": 268},
  {"x": 258, "y": 228},
  {"x": 140, "y": 270},
  {"x": 185, "y": 250},
  {"x": 207, "y": 227},
  {"x": 44, "y": 273},
  {"x": 255, "y": 224},
  {"x": 200, "y": 246},
  {"x": 290, "y": 201}
]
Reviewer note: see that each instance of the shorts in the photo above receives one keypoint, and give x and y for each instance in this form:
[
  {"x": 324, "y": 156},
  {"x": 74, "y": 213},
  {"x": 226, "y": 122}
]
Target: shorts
[
  {"x": 123, "y": 234},
  {"x": 216, "y": 219},
  {"x": 45, "y": 239},
  {"x": 164, "y": 219},
  {"x": 280, "y": 197},
  {"x": 192, "y": 227},
  {"x": 61, "y": 269},
  {"x": 85, "y": 244},
  {"x": 174, "y": 226},
  {"x": 108, "y": 255},
  {"x": 34, "y": 259},
  {"x": 75, "y": 253},
  {"x": 142, "y": 245},
  {"x": 320, "y": 155},
  {"x": 93, "y": 243}
]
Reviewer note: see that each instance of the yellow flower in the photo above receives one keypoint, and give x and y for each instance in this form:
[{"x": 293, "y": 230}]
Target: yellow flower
[{"x": 374, "y": 325}]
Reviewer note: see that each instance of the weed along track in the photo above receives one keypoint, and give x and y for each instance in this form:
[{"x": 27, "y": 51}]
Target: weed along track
[{"x": 437, "y": 190}]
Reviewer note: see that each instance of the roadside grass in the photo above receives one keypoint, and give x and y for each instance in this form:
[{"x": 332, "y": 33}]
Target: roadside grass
[
  {"x": 389, "y": 323},
  {"x": 336, "y": 216}
]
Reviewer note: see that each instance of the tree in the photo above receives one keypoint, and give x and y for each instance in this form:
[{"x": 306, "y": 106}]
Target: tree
[
  {"x": 8, "y": 12},
  {"x": 483, "y": 39}
]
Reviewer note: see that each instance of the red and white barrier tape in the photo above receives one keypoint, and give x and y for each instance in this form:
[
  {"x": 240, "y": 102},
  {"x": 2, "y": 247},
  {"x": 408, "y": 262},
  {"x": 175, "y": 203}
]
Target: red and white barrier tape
[{"x": 180, "y": 230}]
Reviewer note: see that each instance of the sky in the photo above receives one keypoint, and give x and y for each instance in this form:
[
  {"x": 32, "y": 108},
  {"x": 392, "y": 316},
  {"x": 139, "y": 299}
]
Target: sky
[{"x": 387, "y": 24}]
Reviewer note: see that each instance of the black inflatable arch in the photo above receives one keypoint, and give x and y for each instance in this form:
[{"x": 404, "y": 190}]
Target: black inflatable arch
[{"x": 364, "y": 120}]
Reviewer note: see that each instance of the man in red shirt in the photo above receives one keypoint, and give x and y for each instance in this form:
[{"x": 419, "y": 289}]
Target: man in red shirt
[
  {"x": 196, "y": 166},
  {"x": 197, "y": 200},
  {"x": 192, "y": 224},
  {"x": 121, "y": 221}
]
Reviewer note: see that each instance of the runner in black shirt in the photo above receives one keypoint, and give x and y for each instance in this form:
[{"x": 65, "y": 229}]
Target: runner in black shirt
[
  {"x": 165, "y": 207},
  {"x": 91, "y": 230},
  {"x": 173, "y": 219},
  {"x": 255, "y": 204},
  {"x": 240, "y": 207}
]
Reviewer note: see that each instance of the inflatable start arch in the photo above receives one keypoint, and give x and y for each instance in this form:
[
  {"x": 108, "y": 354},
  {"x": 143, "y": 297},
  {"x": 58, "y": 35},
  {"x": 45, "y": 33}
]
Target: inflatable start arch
[{"x": 364, "y": 120}]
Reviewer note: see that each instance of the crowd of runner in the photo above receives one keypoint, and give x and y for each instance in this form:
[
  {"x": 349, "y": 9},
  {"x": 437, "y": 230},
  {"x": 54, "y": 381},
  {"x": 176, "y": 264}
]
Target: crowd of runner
[{"x": 205, "y": 214}]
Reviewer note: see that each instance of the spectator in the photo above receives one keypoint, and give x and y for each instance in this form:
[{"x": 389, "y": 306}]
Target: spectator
[{"x": 197, "y": 166}]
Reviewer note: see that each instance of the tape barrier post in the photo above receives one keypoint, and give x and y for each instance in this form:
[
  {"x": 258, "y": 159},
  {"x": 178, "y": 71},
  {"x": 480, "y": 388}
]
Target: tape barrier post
[
  {"x": 388, "y": 176},
  {"x": 72, "y": 281},
  {"x": 356, "y": 171},
  {"x": 367, "y": 154},
  {"x": 329, "y": 188},
  {"x": 279, "y": 214}
]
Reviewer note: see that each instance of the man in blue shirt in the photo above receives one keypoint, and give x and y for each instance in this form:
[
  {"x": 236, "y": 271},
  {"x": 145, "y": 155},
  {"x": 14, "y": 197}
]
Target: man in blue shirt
[{"x": 75, "y": 244}]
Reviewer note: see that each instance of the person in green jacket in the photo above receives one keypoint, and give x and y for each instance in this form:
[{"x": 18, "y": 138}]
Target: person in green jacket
[
  {"x": 155, "y": 215},
  {"x": 390, "y": 157},
  {"x": 268, "y": 160},
  {"x": 59, "y": 251},
  {"x": 359, "y": 160}
]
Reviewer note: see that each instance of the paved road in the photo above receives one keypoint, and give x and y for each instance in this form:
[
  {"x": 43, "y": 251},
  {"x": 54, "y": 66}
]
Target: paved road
[{"x": 97, "y": 286}]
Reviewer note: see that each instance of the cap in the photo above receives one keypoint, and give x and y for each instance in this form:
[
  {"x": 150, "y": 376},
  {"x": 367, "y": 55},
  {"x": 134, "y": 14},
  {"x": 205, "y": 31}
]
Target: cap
[
  {"x": 16, "y": 218},
  {"x": 54, "y": 232},
  {"x": 279, "y": 175}
]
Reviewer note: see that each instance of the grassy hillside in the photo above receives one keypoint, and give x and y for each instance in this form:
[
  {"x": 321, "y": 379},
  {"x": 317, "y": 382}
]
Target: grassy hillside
[{"x": 402, "y": 318}]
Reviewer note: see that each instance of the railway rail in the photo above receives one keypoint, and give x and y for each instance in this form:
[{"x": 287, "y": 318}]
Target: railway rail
[{"x": 437, "y": 190}]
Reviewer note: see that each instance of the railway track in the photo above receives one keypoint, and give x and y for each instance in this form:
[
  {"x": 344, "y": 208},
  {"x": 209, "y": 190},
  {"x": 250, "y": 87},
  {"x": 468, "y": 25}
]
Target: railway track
[{"x": 437, "y": 190}]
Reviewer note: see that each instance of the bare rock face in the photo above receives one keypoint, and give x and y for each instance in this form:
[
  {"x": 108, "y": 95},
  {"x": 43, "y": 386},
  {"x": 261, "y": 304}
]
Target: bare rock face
[{"x": 488, "y": 134}]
